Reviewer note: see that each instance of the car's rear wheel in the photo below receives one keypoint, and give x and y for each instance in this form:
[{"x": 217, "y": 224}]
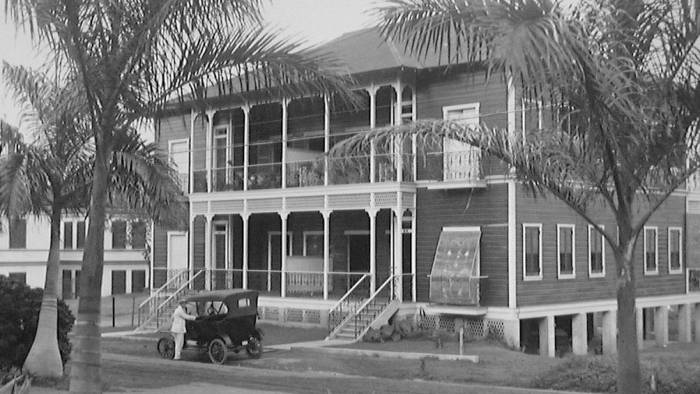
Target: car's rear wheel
[
  {"x": 254, "y": 348},
  {"x": 217, "y": 351},
  {"x": 166, "y": 347}
]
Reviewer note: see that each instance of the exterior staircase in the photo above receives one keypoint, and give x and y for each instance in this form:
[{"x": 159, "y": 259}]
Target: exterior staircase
[
  {"x": 155, "y": 312},
  {"x": 372, "y": 312}
]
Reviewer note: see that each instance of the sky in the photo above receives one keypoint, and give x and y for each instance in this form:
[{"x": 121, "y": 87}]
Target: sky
[{"x": 313, "y": 21}]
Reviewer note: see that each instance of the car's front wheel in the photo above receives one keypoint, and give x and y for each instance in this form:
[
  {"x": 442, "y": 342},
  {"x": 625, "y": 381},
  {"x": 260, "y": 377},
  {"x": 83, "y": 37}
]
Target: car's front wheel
[
  {"x": 254, "y": 348},
  {"x": 166, "y": 347},
  {"x": 217, "y": 351}
]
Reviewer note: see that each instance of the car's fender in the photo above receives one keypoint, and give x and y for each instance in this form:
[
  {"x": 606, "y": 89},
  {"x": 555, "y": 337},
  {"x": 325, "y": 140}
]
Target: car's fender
[{"x": 227, "y": 340}]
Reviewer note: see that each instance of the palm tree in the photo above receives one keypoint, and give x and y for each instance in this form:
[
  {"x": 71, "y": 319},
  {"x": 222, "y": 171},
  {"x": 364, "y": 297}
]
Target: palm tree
[
  {"x": 620, "y": 80},
  {"x": 131, "y": 57},
  {"x": 51, "y": 176}
]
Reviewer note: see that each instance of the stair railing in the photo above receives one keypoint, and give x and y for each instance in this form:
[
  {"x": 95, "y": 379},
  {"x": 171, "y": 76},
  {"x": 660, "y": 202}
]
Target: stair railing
[
  {"x": 361, "y": 314},
  {"x": 149, "y": 305},
  {"x": 346, "y": 305}
]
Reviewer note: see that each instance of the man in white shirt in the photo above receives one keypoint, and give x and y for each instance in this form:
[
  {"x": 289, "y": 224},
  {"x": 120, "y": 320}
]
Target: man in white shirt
[{"x": 178, "y": 329}]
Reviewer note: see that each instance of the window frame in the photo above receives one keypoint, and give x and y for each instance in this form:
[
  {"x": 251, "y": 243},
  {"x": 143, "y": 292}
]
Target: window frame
[
  {"x": 525, "y": 226},
  {"x": 305, "y": 234},
  {"x": 561, "y": 275},
  {"x": 656, "y": 250},
  {"x": 113, "y": 233},
  {"x": 678, "y": 270},
  {"x": 592, "y": 274}
]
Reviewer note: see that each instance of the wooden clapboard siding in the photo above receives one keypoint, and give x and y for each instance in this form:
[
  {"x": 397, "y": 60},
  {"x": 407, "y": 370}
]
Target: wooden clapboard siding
[
  {"x": 485, "y": 208},
  {"x": 438, "y": 89},
  {"x": 550, "y": 212},
  {"x": 174, "y": 127}
]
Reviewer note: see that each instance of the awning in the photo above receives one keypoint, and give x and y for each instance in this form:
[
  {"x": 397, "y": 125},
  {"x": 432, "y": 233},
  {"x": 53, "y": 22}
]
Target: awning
[{"x": 455, "y": 276}]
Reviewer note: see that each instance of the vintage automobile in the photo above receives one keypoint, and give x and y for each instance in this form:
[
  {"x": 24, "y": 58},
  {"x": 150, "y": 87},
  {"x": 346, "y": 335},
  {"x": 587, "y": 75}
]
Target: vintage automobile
[{"x": 225, "y": 321}]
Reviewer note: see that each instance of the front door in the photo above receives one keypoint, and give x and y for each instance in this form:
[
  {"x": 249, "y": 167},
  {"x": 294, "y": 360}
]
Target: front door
[{"x": 220, "y": 258}]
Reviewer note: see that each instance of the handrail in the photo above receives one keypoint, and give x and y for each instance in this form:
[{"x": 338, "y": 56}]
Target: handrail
[
  {"x": 185, "y": 285},
  {"x": 347, "y": 294},
  {"x": 364, "y": 305},
  {"x": 162, "y": 288}
]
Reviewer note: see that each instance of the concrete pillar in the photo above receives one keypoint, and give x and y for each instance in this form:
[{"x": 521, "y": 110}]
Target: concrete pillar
[
  {"x": 661, "y": 325},
  {"x": 639, "y": 315},
  {"x": 372, "y": 212},
  {"x": 610, "y": 332},
  {"x": 326, "y": 250},
  {"x": 696, "y": 319},
  {"x": 684, "y": 323},
  {"x": 579, "y": 334},
  {"x": 511, "y": 333},
  {"x": 245, "y": 217},
  {"x": 547, "y": 336}
]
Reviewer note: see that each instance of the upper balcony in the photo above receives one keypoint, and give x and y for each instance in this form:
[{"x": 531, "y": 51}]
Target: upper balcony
[{"x": 284, "y": 145}]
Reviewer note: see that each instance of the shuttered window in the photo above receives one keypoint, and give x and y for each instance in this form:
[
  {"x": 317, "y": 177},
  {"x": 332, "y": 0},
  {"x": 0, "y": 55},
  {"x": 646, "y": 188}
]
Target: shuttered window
[
  {"x": 18, "y": 234},
  {"x": 565, "y": 247},
  {"x": 118, "y": 234},
  {"x": 532, "y": 251}
]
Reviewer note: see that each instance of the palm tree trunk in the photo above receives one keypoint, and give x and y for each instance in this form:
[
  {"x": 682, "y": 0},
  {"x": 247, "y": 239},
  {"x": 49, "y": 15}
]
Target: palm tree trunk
[
  {"x": 85, "y": 375},
  {"x": 628, "y": 370},
  {"x": 44, "y": 358}
]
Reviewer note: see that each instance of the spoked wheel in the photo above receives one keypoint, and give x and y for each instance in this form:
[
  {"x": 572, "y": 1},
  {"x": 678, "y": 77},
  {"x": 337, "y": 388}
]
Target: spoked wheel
[
  {"x": 217, "y": 351},
  {"x": 254, "y": 348},
  {"x": 166, "y": 347}
]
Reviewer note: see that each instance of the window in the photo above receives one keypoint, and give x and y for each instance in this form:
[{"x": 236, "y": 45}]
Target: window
[
  {"x": 118, "y": 234},
  {"x": 138, "y": 281},
  {"x": 461, "y": 160},
  {"x": 138, "y": 235},
  {"x": 178, "y": 151},
  {"x": 18, "y": 234},
  {"x": 20, "y": 277},
  {"x": 67, "y": 235},
  {"x": 675, "y": 247},
  {"x": 596, "y": 253},
  {"x": 80, "y": 235},
  {"x": 118, "y": 282},
  {"x": 313, "y": 243},
  {"x": 566, "y": 250},
  {"x": 651, "y": 251},
  {"x": 531, "y": 116},
  {"x": 532, "y": 251}
]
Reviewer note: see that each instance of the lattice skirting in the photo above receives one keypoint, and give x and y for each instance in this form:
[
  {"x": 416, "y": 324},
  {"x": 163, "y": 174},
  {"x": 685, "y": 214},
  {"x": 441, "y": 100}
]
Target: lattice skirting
[{"x": 473, "y": 328}]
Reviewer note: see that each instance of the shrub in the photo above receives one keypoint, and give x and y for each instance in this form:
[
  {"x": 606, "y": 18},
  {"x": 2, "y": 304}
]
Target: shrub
[
  {"x": 19, "y": 315},
  {"x": 598, "y": 374}
]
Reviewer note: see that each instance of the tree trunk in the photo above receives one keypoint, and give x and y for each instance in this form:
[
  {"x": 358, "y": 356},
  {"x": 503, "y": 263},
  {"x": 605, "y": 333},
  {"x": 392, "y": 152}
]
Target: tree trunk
[
  {"x": 628, "y": 370},
  {"x": 85, "y": 374},
  {"x": 44, "y": 358}
]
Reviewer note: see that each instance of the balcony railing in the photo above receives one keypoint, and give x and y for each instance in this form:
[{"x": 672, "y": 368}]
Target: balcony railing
[{"x": 429, "y": 166}]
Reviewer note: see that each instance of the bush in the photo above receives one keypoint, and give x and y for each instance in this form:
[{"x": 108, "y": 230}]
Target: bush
[
  {"x": 598, "y": 374},
  {"x": 19, "y": 315}
]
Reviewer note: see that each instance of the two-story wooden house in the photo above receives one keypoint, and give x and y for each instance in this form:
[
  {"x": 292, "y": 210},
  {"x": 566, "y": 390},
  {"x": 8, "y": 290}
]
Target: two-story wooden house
[{"x": 439, "y": 229}]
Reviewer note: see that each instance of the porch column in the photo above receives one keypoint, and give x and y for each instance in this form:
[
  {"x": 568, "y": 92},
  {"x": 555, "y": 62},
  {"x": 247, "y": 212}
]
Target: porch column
[
  {"x": 372, "y": 90},
  {"x": 398, "y": 255},
  {"x": 684, "y": 323},
  {"x": 326, "y": 137},
  {"x": 245, "y": 216},
  {"x": 193, "y": 119},
  {"x": 696, "y": 319},
  {"x": 372, "y": 212},
  {"x": 413, "y": 256},
  {"x": 207, "y": 251},
  {"x": 209, "y": 142},
  {"x": 283, "y": 242},
  {"x": 414, "y": 143},
  {"x": 579, "y": 334},
  {"x": 661, "y": 325},
  {"x": 609, "y": 332},
  {"x": 246, "y": 143},
  {"x": 190, "y": 263},
  {"x": 398, "y": 145},
  {"x": 639, "y": 315},
  {"x": 326, "y": 249},
  {"x": 511, "y": 333},
  {"x": 284, "y": 143},
  {"x": 547, "y": 336}
]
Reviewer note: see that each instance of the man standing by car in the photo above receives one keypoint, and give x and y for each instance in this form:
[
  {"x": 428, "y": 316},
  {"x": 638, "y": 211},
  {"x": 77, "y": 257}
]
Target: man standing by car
[{"x": 178, "y": 329}]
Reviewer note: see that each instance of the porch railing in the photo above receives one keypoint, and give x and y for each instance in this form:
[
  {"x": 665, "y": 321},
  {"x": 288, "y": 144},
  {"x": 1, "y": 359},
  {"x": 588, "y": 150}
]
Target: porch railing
[
  {"x": 347, "y": 305},
  {"x": 174, "y": 282},
  {"x": 159, "y": 311}
]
